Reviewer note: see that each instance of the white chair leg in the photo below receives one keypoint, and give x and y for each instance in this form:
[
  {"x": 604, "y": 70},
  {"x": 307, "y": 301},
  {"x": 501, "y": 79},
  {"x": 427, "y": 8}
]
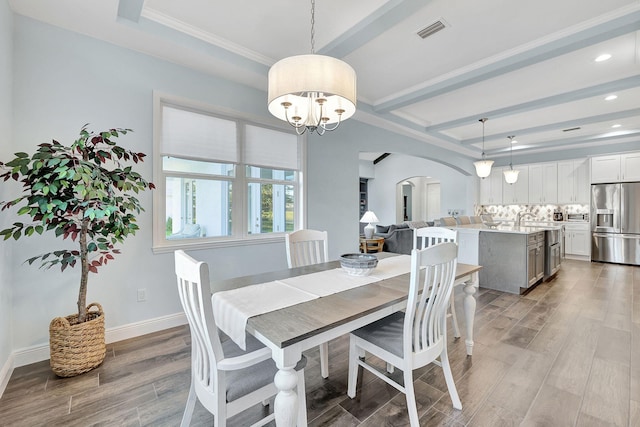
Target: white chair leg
[
  {"x": 412, "y": 408},
  {"x": 353, "y": 367},
  {"x": 454, "y": 317},
  {"x": 324, "y": 360},
  {"x": 302, "y": 399},
  {"x": 390, "y": 368},
  {"x": 189, "y": 407},
  {"x": 448, "y": 377}
]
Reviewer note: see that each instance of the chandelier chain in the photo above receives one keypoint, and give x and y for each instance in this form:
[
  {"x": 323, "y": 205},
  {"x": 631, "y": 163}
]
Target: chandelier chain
[{"x": 313, "y": 25}]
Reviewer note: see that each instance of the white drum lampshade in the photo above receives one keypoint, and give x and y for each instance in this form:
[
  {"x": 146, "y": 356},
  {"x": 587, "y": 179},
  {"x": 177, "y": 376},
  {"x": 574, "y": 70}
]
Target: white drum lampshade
[{"x": 312, "y": 90}]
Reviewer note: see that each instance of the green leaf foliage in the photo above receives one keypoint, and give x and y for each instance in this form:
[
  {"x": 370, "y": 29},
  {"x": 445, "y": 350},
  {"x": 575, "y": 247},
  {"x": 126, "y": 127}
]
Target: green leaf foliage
[{"x": 82, "y": 192}]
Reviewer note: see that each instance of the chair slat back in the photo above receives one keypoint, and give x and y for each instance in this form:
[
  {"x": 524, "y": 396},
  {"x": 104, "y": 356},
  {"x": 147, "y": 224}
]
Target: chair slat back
[
  {"x": 429, "y": 236},
  {"x": 425, "y": 319},
  {"x": 195, "y": 296},
  {"x": 306, "y": 247}
]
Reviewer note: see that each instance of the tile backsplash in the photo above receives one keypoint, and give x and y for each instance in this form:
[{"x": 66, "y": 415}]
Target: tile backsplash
[{"x": 542, "y": 212}]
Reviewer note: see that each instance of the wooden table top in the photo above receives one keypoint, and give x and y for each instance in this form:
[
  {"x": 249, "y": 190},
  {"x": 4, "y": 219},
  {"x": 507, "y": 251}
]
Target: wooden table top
[{"x": 295, "y": 323}]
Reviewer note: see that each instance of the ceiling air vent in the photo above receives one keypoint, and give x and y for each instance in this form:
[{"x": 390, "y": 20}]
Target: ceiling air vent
[
  {"x": 571, "y": 129},
  {"x": 431, "y": 29}
]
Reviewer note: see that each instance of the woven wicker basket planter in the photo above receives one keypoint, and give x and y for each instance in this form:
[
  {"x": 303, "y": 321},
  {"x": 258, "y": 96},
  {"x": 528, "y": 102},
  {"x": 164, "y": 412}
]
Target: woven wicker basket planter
[{"x": 77, "y": 347}]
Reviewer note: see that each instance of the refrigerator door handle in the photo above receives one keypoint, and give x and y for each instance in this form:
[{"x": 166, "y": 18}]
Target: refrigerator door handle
[
  {"x": 630, "y": 236},
  {"x": 604, "y": 234}
]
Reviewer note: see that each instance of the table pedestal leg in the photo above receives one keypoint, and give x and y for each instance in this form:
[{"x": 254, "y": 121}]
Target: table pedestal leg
[
  {"x": 286, "y": 404},
  {"x": 469, "y": 304}
]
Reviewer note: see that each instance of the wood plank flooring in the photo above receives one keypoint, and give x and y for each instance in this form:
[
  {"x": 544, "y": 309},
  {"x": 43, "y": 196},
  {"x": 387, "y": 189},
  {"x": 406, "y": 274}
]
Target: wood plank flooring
[{"x": 566, "y": 354}]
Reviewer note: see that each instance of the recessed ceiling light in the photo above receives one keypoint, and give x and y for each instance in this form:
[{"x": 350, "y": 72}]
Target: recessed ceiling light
[
  {"x": 611, "y": 97},
  {"x": 603, "y": 57},
  {"x": 617, "y": 125}
]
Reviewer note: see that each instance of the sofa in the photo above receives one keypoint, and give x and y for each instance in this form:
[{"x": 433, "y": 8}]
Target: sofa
[{"x": 398, "y": 238}]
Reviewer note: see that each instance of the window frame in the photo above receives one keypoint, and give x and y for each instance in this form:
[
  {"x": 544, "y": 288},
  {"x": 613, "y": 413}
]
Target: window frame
[{"x": 239, "y": 212}]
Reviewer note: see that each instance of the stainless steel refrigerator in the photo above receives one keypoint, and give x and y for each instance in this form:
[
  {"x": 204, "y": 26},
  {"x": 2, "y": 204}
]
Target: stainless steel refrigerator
[{"x": 615, "y": 223}]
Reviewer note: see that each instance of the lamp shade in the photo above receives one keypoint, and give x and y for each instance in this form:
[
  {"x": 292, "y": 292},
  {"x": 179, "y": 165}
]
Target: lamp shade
[
  {"x": 369, "y": 217},
  {"x": 483, "y": 168},
  {"x": 511, "y": 176},
  {"x": 299, "y": 81}
]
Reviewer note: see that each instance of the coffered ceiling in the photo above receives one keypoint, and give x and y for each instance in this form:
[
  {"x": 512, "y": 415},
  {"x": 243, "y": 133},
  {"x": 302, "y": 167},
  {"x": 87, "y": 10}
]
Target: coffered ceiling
[{"x": 529, "y": 67}]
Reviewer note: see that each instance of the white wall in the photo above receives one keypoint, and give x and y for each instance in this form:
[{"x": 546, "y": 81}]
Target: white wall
[
  {"x": 64, "y": 80},
  {"x": 457, "y": 190},
  {"x": 6, "y": 42},
  {"x": 333, "y": 184}
]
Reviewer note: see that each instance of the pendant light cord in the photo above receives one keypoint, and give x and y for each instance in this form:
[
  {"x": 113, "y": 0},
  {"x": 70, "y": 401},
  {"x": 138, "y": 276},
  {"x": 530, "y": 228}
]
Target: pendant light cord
[{"x": 313, "y": 25}]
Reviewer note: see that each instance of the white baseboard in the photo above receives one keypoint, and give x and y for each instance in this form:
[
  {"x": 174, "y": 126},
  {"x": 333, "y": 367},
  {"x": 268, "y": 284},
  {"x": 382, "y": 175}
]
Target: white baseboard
[
  {"x": 5, "y": 374},
  {"x": 39, "y": 353}
]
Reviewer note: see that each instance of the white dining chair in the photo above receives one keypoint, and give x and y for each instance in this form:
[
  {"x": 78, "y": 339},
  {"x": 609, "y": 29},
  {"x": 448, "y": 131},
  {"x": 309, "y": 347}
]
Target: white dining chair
[
  {"x": 429, "y": 236},
  {"x": 224, "y": 378},
  {"x": 412, "y": 339},
  {"x": 308, "y": 247}
]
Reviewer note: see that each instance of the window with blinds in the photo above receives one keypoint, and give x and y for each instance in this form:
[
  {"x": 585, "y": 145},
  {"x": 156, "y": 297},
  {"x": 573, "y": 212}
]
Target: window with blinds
[{"x": 224, "y": 178}]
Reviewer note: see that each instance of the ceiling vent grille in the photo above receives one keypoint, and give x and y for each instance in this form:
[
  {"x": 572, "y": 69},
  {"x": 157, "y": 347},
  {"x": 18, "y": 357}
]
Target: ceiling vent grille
[
  {"x": 571, "y": 129},
  {"x": 431, "y": 29}
]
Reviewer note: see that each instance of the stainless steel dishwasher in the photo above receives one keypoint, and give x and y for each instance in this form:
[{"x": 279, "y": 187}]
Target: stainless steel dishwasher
[{"x": 553, "y": 253}]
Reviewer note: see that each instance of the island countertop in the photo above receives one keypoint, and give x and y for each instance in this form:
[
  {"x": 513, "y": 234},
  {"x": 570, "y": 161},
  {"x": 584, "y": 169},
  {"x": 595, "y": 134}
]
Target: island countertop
[{"x": 507, "y": 228}]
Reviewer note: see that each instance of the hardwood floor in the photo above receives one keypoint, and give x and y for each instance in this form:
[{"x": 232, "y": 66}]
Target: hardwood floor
[{"x": 566, "y": 354}]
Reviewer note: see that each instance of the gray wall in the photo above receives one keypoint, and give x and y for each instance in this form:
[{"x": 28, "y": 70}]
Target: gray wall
[{"x": 6, "y": 42}]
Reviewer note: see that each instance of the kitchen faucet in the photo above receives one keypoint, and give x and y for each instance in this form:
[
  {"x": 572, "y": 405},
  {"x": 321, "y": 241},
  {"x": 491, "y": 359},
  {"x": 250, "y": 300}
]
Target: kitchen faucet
[{"x": 521, "y": 214}]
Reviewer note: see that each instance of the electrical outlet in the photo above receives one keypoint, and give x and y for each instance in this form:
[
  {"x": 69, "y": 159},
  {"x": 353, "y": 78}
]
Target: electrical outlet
[{"x": 142, "y": 295}]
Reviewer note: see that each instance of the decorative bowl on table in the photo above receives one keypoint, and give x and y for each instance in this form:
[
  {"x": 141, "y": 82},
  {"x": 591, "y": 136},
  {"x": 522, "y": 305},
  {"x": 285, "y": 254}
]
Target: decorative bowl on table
[{"x": 358, "y": 264}]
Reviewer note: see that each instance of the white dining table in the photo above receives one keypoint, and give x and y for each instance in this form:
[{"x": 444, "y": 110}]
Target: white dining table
[{"x": 291, "y": 330}]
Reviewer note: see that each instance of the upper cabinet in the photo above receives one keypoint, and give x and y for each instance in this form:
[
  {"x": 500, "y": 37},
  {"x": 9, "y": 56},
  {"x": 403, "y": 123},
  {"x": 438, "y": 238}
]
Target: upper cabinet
[
  {"x": 518, "y": 193},
  {"x": 573, "y": 181},
  {"x": 491, "y": 188},
  {"x": 630, "y": 166},
  {"x": 543, "y": 183},
  {"x": 615, "y": 168}
]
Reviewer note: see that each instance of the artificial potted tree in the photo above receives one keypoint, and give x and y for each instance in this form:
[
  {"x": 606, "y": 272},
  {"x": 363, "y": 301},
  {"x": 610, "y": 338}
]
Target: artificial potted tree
[{"x": 83, "y": 193}]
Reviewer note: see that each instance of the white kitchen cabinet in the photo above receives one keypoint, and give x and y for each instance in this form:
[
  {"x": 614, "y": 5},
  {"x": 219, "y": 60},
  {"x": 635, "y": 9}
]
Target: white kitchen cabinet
[
  {"x": 518, "y": 193},
  {"x": 616, "y": 168},
  {"x": 630, "y": 167},
  {"x": 573, "y": 181},
  {"x": 543, "y": 183},
  {"x": 491, "y": 188},
  {"x": 605, "y": 169},
  {"x": 577, "y": 240}
]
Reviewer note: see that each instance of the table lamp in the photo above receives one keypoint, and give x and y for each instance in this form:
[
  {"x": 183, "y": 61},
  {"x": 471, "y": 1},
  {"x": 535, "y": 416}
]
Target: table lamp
[{"x": 369, "y": 217}]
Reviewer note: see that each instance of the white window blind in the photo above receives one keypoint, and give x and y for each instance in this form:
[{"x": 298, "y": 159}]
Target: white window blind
[
  {"x": 200, "y": 136},
  {"x": 269, "y": 148}
]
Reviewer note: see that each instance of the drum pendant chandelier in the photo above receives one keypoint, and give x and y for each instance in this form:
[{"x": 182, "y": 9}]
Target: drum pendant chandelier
[
  {"x": 483, "y": 167},
  {"x": 312, "y": 92}
]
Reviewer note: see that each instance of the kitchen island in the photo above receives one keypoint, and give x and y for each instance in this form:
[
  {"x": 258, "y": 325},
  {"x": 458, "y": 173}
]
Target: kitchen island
[{"x": 513, "y": 257}]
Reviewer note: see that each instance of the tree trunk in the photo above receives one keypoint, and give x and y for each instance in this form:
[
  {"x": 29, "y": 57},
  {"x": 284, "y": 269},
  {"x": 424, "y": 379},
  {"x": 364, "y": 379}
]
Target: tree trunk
[{"x": 84, "y": 275}]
